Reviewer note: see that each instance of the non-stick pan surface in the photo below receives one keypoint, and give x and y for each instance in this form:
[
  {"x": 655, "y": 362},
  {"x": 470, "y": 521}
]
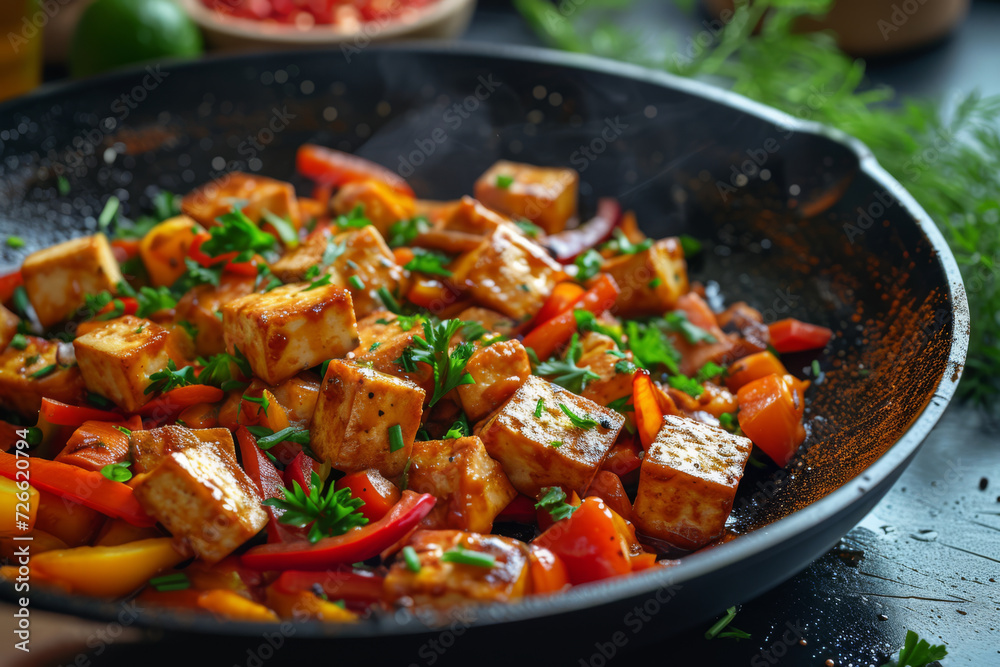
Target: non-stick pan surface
[{"x": 796, "y": 220}]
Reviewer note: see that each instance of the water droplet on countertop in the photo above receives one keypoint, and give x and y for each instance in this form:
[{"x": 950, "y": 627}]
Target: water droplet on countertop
[{"x": 925, "y": 535}]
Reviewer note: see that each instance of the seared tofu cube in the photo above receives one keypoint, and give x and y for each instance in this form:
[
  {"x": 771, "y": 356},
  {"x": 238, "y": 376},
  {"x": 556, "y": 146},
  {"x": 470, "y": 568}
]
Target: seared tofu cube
[
  {"x": 357, "y": 409},
  {"x": 490, "y": 319},
  {"x": 291, "y": 328},
  {"x": 203, "y": 497},
  {"x": 688, "y": 481},
  {"x": 544, "y": 195},
  {"x": 471, "y": 217},
  {"x": 650, "y": 281},
  {"x": 58, "y": 277},
  {"x": 615, "y": 378},
  {"x": 549, "y": 450},
  {"x": 444, "y": 584},
  {"x": 148, "y": 448},
  {"x": 471, "y": 488},
  {"x": 117, "y": 359},
  {"x": 293, "y": 265},
  {"x": 28, "y": 375},
  {"x": 199, "y": 307},
  {"x": 8, "y": 326},
  {"x": 381, "y": 204},
  {"x": 499, "y": 370},
  {"x": 253, "y": 194},
  {"x": 383, "y": 338},
  {"x": 509, "y": 273}
]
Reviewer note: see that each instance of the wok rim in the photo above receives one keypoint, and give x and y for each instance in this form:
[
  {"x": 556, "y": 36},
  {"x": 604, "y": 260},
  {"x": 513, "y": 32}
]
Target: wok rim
[{"x": 697, "y": 565}]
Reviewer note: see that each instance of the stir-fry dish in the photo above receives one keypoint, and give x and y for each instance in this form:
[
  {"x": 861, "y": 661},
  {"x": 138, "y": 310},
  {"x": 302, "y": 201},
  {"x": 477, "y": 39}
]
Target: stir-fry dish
[{"x": 270, "y": 406}]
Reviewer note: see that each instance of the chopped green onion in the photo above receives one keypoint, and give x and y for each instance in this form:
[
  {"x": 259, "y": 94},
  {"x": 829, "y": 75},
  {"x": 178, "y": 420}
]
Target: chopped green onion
[
  {"x": 396, "y": 438},
  {"x": 504, "y": 181},
  {"x": 411, "y": 558},
  {"x": 538, "y": 408},
  {"x": 468, "y": 557},
  {"x": 356, "y": 282}
]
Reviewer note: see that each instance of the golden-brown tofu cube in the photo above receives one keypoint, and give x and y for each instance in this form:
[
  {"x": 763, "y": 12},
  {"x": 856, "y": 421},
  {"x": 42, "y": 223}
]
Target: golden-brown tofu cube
[
  {"x": 8, "y": 326},
  {"x": 471, "y": 488},
  {"x": 383, "y": 339},
  {"x": 443, "y": 583},
  {"x": 147, "y": 448},
  {"x": 253, "y": 194},
  {"x": 688, "y": 481},
  {"x": 508, "y": 273},
  {"x": 291, "y": 328},
  {"x": 544, "y": 195},
  {"x": 549, "y": 450},
  {"x": 490, "y": 319},
  {"x": 381, "y": 204},
  {"x": 117, "y": 359},
  {"x": 58, "y": 277},
  {"x": 499, "y": 370},
  {"x": 203, "y": 497},
  {"x": 471, "y": 217},
  {"x": 615, "y": 379},
  {"x": 357, "y": 409},
  {"x": 28, "y": 375},
  {"x": 650, "y": 281},
  {"x": 199, "y": 306},
  {"x": 298, "y": 397}
]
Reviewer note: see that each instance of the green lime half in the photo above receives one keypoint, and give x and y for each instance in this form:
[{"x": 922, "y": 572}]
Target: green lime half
[{"x": 113, "y": 33}]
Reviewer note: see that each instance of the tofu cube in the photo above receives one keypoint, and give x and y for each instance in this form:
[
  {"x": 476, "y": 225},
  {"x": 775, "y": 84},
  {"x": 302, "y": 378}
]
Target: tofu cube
[
  {"x": 544, "y": 195},
  {"x": 28, "y": 375},
  {"x": 382, "y": 205},
  {"x": 199, "y": 307},
  {"x": 688, "y": 481},
  {"x": 148, "y": 448},
  {"x": 508, "y": 273},
  {"x": 356, "y": 409},
  {"x": 549, "y": 450},
  {"x": 387, "y": 330},
  {"x": 490, "y": 319},
  {"x": 117, "y": 359},
  {"x": 612, "y": 383},
  {"x": 203, "y": 497},
  {"x": 253, "y": 194},
  {"x": 445, "y": 584},
  {"x": 8, "y": 326},
  {"x": 650, "y": 281},
  {"x": 499, "y": 370},
  {"x": 471, "y": 488},
  {"x": 58, "y": 277},
  {"x": 291, "y": 328},
  {"x": 471, "y": 217}
]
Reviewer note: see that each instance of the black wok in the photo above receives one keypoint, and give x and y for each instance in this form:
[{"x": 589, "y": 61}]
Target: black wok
[{"x": 796, "y": 219}]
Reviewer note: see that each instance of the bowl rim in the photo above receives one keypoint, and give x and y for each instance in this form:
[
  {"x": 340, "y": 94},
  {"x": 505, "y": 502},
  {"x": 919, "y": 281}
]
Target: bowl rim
[
  {"x": 277, "y": 33},
  {"x": 618, "y": 589}
]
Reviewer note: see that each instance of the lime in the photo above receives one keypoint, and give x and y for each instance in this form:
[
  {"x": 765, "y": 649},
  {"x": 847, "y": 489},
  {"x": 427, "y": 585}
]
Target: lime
[{"x": 113, "y": 33}]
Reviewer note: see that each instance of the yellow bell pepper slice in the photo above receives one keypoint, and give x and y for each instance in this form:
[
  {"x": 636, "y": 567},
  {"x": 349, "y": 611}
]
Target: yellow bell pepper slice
[
  {"x": 233, "y": 606},
  {"x": 18, "y": 505}
]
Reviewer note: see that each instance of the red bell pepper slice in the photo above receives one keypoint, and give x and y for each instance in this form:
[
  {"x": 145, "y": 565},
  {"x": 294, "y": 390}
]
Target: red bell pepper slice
[
  {"x": 335, "y": 168},
  {"x": 61, "y": 414},
  {"x": 379, "y": 494},
  {"x": 623, "y": 458},
  {"x": 9, "y": 283},
  {"x": 357, "y": 544},
  {"x": 548, "y": 336},
  {"x": 86, "y": 487},
  {"x": 248, "y": 268},
  {"x": 169, "y": 404},
  {"x": 608, "y": 487},
  {"x": 792, "y": 335},
  {"x": 300, "y": 470},
  {"x": 519, "y": 510},
  {"x": 338, "y": 583},
  {"x": 563, "y": 296},
  {"x": 125, "y": 249},
  {"x": 269, "y": 484},
  {"x": 566, "y": 246},
  {"x": 129, "y": 306}
]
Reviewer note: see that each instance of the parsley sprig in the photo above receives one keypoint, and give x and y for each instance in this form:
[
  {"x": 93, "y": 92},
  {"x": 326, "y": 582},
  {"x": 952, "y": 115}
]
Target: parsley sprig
[
  {"x": 449, "y": 367},
  {"x": 917, "y": 652},
  {"x": 328, "y": 514},
  {"x": 586, "y": 422},
  {"x": 430, "y": 262},
  {"x": 565, "y": 372},
  {"x": 169, "y": 378},
  {"x": 236, "y": 232},
  {"x": 554, "y": 502}
]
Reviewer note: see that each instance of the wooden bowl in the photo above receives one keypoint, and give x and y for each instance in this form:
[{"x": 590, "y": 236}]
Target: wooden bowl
[{"x": 442, "y": 20}]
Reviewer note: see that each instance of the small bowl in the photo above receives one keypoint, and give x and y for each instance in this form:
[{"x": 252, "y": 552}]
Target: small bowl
[{"x": 442, "y": 20}]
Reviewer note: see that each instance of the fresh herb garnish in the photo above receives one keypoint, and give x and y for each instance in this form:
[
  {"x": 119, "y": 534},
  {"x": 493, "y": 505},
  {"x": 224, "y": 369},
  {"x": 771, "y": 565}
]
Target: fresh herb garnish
[
  {"x": 266, "y": 438},
  {"x": 109, "y": 213},
  {"x": 177, "y": 581},
  {"x": 261, "y": 402},
  {"x": 689, "y": 386},
  {"x": 354, "y": 220},
  {"x": 710, "y": 370},
  {"x": 620, "y": 244},
  {"x": 404, "y": 232},
  {"x": 459, "y": 429},
  {"x": 411, "y": 559},
  {"x": 389, "y": 301},
  {"x": 356, "y": 283},
  {"x": 464, "y": 556},
  {"x": 117, "y": 472},
  {"x": 127, "y": 432},
  {"x": 217, "y": 370},
  {"x": 19, "y": 341},
  {"x": 449, "y": 367},
  {"x": 719, "y": 626},
  {"x": 170, "y": 378},
  {"x": 316, "y": 284},
  {"x": 329, "y": 514},
  {"x": 650, "y": 346},
  {"x": 504, "y": 181},
  {"x": 588, "y": 265},
  {"x": 624, "y": 366},
  {"x": 396, "y": 438},
  {"x": 237, "y": 233},
  {"x": 918, "y": 652},
  {"x": 529, "y": 229},
  {"x": 564, "y": 372},
  {"x": 690, "y": 245},
  {"x": 15, "y": 242},
  {"x": 554, "y": 502},
  {"x": 427, "y": 261},
  {"x": 43, "y": 371},
  {"x": 586, "y": 422},
  {"x": 312, "y": 272},
  {"x": 678, "y": 321},
  {"x": 539, "y": 406},
  {"x": 286, "y": 230},
  {"x": 622, "y": 405}
]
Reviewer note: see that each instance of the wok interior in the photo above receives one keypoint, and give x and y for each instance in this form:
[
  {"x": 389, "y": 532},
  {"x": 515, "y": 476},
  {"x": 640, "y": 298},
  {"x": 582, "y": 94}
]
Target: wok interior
[{"x": 776, "y": 238}]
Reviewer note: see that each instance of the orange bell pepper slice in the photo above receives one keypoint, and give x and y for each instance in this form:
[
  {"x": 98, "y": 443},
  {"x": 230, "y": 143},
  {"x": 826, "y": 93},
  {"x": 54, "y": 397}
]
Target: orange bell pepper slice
[
  {"x": 753, "y": 367},
  {"x": 792, "y": 335},
  {"x": 771, "y": 410},
  {"x": 335, "y": 168},
  {"x": 546, "y": 338}
]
